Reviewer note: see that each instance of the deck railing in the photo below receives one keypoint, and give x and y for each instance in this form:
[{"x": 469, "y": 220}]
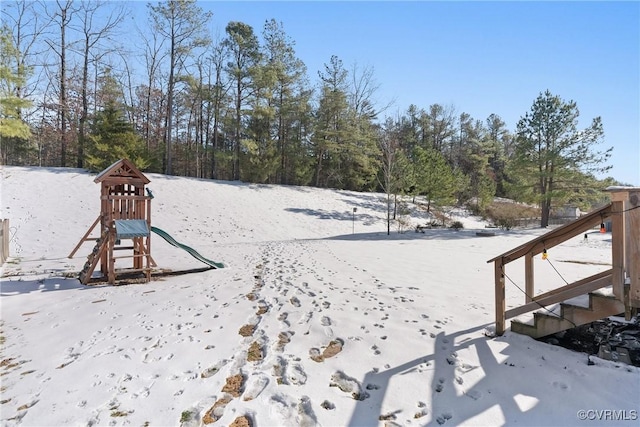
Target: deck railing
[{"x": 624, "y": 212}]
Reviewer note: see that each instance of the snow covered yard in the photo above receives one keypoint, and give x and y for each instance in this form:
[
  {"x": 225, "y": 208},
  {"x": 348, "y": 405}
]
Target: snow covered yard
[{"x": 319, "y": 317}]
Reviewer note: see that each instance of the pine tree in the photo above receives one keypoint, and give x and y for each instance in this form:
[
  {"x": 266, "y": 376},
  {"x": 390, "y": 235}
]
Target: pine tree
[
  {"x": 244, "y": 50},
  {"x": 434, "y": 178},
  {"x": 331, "y": 125},
  {"x": 550, "y": 150},
  {"x": 13, "y": 130},
  {"x": 113, "y": 138}
]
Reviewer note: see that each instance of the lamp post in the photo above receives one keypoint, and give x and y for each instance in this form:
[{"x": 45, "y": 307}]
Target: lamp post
[{"x": 353, "y": 221}]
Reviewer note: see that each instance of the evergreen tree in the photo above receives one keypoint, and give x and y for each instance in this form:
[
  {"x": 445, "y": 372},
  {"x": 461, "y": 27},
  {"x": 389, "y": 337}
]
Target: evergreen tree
[
  {"x": 395, "y": 169},
  {"x": 499, "y": 146},
  {"x": 472, "y": 158},
  {"x": 12, "y": 76},
  {"x": 550, "y": 151},
  {"x": 331, "y": 125},
  {"x": 434, "y": 178},
  {"x": 287, "y": 95},
  {"x": 14, "y": 132},
  {"x": 112, "y": 138},
  {"x": 244, "y": 50}
]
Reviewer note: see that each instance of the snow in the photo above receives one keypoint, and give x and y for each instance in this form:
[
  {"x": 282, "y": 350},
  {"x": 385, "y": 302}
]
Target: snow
[{"x": 355, "y": 328}]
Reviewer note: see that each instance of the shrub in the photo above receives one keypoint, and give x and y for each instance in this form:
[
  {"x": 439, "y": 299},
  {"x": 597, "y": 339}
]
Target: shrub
[
  {"x": 403, "y": 224},
  {"x": 457, "y": 225},
  {"x": 507, "y": 214}
]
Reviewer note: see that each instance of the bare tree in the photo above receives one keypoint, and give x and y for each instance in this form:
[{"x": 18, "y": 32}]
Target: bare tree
[
  {"x": 392, "y": 174},
  {"x": 61, "y": 17},
  {"x": 92, "y": 35},
  {"x": 362, "y": 92},
  {"x": 153, "y": 57},
  {"x": 183, "y": 24}
]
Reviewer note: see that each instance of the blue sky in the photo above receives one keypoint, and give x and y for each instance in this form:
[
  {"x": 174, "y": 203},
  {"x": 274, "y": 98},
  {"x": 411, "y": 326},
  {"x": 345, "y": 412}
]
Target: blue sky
[{"x": 479, "y": 57}]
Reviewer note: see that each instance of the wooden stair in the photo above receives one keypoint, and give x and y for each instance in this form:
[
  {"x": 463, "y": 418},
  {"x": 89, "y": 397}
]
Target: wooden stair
[
  {"x": 92, "y": 259},
  {"x": 571, "y": 315}
]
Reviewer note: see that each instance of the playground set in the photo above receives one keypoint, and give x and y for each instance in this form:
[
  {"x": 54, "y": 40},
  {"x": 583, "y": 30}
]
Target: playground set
[{"x": 125, "y": 214}]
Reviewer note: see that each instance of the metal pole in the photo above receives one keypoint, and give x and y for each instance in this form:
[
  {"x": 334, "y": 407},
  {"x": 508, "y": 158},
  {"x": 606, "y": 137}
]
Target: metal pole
[{"x": 353, "y": 221}]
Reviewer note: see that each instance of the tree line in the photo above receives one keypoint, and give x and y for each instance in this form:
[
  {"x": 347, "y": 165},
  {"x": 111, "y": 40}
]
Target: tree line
[{"x": 240, "y": 106}]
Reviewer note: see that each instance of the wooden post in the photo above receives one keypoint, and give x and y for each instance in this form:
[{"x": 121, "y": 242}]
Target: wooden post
[
  {"x": 617, "y": 248},
  {"x": 500, "y": 297},
  {"x": 632, "y": 245},
  {"x": 528, "y": 277},
  {"x": 4, "y": 238},
  {"x": 111, "y": 274},
  {"x": 626, "y": 243}
]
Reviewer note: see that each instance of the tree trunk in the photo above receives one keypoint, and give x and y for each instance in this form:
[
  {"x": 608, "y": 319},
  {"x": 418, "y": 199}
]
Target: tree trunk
[
  {"x": 63, "y": 88},
  {"x": 85, "y": 106},
  {"x": 168, "y": 156},
  {"x": 388, "y": 213},
  {"x": 395, "y": 206},
  {"x": 236, "y": 159}
]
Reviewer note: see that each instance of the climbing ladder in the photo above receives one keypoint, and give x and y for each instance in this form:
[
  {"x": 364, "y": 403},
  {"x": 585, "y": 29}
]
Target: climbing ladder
[{"x": 93, "y": 258}]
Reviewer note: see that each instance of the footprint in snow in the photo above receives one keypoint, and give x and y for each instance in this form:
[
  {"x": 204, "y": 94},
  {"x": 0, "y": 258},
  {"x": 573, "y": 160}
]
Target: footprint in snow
[
  {"x": 348, "y": 385},
  {"x": 305, "y": 318},
  {"x": 327, "y": 405},
  {"x": 279, "y": 370},
  {"x": 283, "y": 318},
  {"x": 144, "y": 392},
  {"x": 306, "y": 416},
  {"x": 214, "y": 369},
  {"x": 444, "y": 418},
  {"x": 284, "y": 338},
  {"x": 474, "y": 394},
  {"x": 560, "y": 385},
  {"x": 255, "y": 385},
  {"x": 296, "y": 375}
]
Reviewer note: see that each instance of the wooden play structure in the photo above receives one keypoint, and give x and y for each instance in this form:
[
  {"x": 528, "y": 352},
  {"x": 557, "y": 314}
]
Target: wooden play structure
[
  {"x": 621, "y": 283},
  {"x": 125, "y": 214}
]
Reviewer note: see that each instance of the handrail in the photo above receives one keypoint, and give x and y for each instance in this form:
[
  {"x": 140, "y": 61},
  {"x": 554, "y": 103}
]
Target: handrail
[
  {"x": 624, "y": 276},
  {"x": 557, "y": 235}
]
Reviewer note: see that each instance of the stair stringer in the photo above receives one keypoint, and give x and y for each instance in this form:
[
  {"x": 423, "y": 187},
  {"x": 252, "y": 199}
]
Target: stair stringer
[{"x": 600, "y": 306}]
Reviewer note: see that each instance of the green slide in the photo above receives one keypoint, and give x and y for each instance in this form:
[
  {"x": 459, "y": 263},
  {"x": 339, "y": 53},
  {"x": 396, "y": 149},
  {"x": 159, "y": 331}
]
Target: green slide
[{"x": 191, "y": 251}]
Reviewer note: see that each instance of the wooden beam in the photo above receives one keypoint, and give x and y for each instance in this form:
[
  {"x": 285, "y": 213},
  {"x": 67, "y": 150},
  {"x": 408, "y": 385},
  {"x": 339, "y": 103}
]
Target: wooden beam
[
  {"x": 500, "y": 297},
  {"x": 528, "y": 277},
  {"x": 617, "y": 249},
  {"x": 124, "y": 197},
  {"x": 632, "y": 246},
  {"x": 578, "y": 283},
  {"x": 85, "y": 237},
  {"x": 122, "y": 180},
  {"x": 621, "y": 194}
]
